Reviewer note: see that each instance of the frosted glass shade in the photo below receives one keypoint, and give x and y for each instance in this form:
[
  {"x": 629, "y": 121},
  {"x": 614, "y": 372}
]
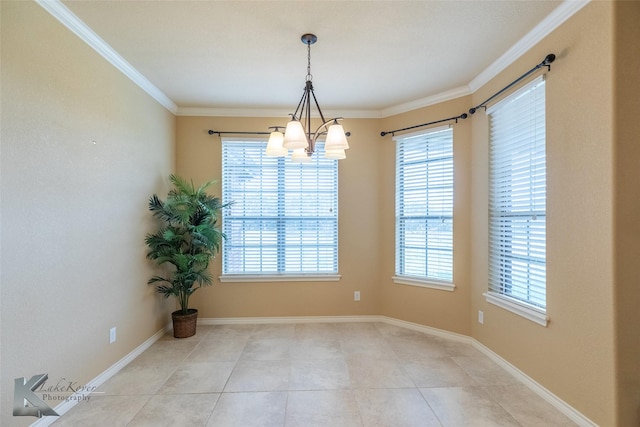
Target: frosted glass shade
[
  {"x": 336, "y": 139},
  {"x": 274, "y": 146},
  {"x": 300, "y": 155},
  {"x": 294, "y": 136},
  {"x": 335, "y": 154}
]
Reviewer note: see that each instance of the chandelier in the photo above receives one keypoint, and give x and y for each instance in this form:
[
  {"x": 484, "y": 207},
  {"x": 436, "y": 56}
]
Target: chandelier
[{"x": 298, "y": 136}]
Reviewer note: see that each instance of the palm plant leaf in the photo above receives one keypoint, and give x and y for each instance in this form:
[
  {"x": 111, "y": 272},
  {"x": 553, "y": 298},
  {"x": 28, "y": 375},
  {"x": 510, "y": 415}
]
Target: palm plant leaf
[{"x": 188, "y": 238}]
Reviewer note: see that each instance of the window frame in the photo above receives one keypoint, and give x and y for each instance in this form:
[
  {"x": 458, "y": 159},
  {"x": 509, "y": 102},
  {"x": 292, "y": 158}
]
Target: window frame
[
  {"x": 279, "y": 166},
  {"x": 505, "y": 222},
  {"x": 401, "y": 275}
]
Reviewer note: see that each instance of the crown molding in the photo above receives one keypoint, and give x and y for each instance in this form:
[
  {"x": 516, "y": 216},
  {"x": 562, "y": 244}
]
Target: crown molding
[
  {"x": 556, "y": 18},
  {"x": 425, "y": 102},
  {"x": 86, "y": 34},
  {"x": 265, "y": 112}
]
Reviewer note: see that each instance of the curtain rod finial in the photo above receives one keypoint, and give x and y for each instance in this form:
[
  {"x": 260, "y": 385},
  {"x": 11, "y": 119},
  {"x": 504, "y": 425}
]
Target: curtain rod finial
[{"x": 549, "y": 59}]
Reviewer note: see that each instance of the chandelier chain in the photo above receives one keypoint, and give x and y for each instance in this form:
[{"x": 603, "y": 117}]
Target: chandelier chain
[{"x": 309, "y": 76}]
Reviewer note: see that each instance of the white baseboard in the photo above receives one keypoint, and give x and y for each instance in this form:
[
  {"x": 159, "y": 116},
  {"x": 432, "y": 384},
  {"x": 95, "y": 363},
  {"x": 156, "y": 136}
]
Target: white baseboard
[
  {"x": 73, "y": 400},
  {"x": 554, "y": 400},
  {"x": 534, "y": 386}
]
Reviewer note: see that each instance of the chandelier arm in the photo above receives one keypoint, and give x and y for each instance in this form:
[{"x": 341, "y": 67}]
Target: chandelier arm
[
  {"x": 300, "y": 104},
  {"x": 323, "y": 125},
  {"x": 318, "y": 106}
]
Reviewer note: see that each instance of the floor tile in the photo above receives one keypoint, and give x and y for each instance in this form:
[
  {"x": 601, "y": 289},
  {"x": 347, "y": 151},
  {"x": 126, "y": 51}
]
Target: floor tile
[
  {"x": 217, "y": 350},
  {"x": 467, "y": 406},
  {"x": 358, "y": 330},
  {"x": 273, "y": 348},
  {"x": 390, "y": 331},
  {"x": 529, "y": 409},
  {"x": 371, "y": 348},
  {"x": 198, "y": 377},
  {"x": 138, "y": 379},
  {"x": 394, "y": 408},
  {"x": 319, "y": 375},
  {"x": 441, "y": 372},
  {"x": 230, "y": 332},
  {"x": 259, "y": 375},
  {"x": 367, "y": 373},
  {"x": 169, "y": 410},
  {"x": 114, "y": 410},
  {"x": 333, "y": 408},
  {"x": 457, "y": 348},
  {"x": 261, "y": 409},
  {"x": 416, "y": 348},
  {"x": 286, "y": 330},
  {"x": 484, "y": 371},
  {"x": 317, "y": 331},
  {"x": 315, "y": 349}
]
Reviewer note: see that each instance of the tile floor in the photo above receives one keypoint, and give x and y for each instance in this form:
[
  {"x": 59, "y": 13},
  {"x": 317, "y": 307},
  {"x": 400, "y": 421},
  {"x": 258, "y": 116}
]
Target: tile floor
[{"x": 317, "y": 374}]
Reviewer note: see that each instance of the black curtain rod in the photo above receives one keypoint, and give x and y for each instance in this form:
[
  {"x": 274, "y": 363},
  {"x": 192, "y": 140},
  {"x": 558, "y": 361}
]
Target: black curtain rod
[
  {"x": 546, "y": 62},
  {"x": 220, "y": 133},
  {"x": 393, "y": 132}
]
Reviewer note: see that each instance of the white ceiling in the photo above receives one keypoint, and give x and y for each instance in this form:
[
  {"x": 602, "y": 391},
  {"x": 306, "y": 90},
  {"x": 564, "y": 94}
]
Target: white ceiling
[{"x": 372, "y": 57}]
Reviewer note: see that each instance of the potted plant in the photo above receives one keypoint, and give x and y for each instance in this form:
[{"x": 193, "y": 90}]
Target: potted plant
[{"x": 187, "y": 241}]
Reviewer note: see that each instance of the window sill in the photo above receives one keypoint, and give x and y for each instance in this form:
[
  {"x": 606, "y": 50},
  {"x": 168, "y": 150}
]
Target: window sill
[
  {"x": 424, "y": 283},
  {"x": 238, "y": 278},
  {"x": 531, "y": 313}
]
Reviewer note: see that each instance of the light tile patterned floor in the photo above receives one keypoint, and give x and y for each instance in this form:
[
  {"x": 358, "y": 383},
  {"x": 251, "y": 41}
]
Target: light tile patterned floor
[{"x": 315, "y": 374}]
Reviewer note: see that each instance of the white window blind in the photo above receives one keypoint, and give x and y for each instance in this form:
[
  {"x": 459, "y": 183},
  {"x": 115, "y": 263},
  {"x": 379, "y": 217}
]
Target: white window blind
[
  {"x": 284, "y": 215},
  {"x": 517, "y": 199},
  {"x": 424, "y": 205}
]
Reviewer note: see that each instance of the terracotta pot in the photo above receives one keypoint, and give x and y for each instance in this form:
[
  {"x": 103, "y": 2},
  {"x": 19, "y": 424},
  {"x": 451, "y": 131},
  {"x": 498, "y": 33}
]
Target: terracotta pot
[{"x": 184, "y": 325}]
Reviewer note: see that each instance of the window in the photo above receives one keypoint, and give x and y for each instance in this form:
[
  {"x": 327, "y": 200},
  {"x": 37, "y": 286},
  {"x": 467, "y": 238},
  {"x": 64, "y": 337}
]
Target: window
[
  {"x": 283, "y": 220},
  {"x": 424, "y": 209},
  {"x": 517, "y": 202}
]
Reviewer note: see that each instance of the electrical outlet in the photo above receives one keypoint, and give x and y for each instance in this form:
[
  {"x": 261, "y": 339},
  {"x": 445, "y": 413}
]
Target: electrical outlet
[
  {"x": 112, "y": 335},
  {"x": 356, "y": 296},
  {"x": 480, "y": 317}
]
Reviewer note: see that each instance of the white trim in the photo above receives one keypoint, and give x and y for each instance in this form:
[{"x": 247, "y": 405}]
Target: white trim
[
  {"x": 534, "y": 386},
  {"x": 531, "y": 313},
  {"x": 76, "y": 397},
  {"x": 427, "y": 329},
  {"x": 274, "y": 278},
  {"x": 86, "y": 34},
  {"x": 556, "y": 18},
  {"x": 425, "y": 102},
  {"x": 424, "y": 283},
  {"x": 271, "y": 112}
]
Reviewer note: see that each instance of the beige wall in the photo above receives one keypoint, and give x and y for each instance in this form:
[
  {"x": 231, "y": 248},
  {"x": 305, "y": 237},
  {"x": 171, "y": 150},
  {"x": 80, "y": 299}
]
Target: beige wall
[
  {"x": 436, "y": 308},
  {"x": 574, "y": 356},
  {"x": 73, "y": 211},
  {"x": 198, "y": 156},
  {"x": 627, "y": 210}
]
